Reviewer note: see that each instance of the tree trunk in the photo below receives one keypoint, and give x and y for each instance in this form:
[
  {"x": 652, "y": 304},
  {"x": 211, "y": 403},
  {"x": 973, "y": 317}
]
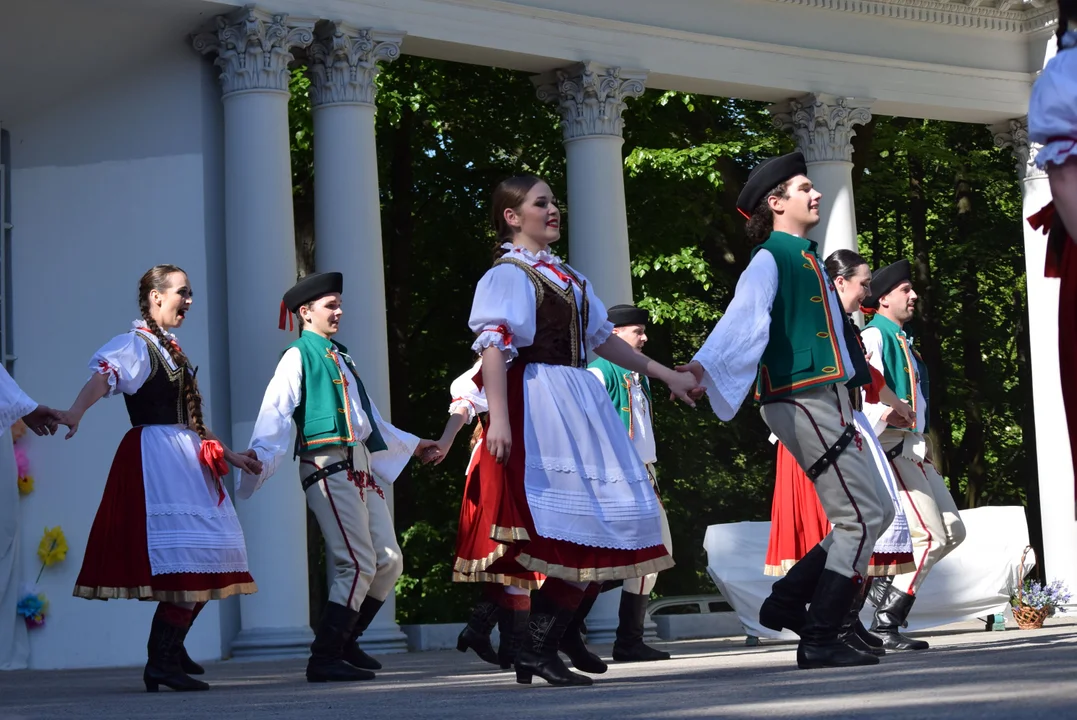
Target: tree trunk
[
  {"x": 929, "y": 342},
  {"x": 398, "y": 238},
  {"x": 971, "y": 452}
]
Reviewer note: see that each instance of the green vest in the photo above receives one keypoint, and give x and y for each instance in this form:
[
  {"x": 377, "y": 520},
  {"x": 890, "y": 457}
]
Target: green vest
[
  {"x": 804, "y": 350},
  {"x": 323, "y": 417},
  {"x": 902, "y": 366},
  {"x": 618, "y": 381}
]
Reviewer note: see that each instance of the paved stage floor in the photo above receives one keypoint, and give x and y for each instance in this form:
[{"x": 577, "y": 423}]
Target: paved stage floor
[{"x": 968, "y": 673}]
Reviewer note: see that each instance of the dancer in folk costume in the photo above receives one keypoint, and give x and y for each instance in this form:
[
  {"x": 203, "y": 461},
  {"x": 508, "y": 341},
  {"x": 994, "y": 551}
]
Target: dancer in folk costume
[
  {"x": 932, "y": 514},
  {"x": 165, "y": 530},
  {"x": 1052, "y": 122},
  {"x": 570, "y": 497},
  {"x": 797, "y": 517},
  {"x": 631, "y": 396},
  {"x": 785, "y": 329},
  {"x": 346, "y": 453},
  {"x": 506, "y": 599}
]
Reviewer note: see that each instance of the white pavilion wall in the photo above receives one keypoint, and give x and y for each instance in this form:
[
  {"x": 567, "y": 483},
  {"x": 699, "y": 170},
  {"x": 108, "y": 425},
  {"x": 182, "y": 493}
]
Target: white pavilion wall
[{"x": 125, "y": 174}]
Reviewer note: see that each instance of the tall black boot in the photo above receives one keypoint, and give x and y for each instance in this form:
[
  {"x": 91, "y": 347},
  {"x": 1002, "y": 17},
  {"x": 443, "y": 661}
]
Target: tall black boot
[
  {"x": 877, "y": 591},
  {"x": 851, "y": 626},
  {"x": 870, "y": 593},
  {"x": 326, "y": 662},
  {"x": 512, "y": 624},
  {"x": 163, "y": 664},
  {"x": 629, "y": 645},
  {"x": 784, "y": 608},
  {"x": 820, "y": 645},
  {"x": 353, "y": 654},
  {"x": 190, "y": 666},
  {"x": 890, "y": 617},
  {"x": 572, "y": 643},
  {"x": 476, "y": 634},
  {"x": 538, "y": 654}
]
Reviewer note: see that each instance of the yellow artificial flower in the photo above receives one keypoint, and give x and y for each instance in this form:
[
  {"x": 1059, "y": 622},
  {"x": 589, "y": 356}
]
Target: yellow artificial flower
[
  {"x": 26, "y": 484},
  {"x": 53, "y": 547}
]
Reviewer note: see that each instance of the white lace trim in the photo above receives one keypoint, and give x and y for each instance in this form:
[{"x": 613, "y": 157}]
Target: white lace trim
[
  {"x": 588, "y": 472},
  {"x": 600, "y": 336},
  {"x": 224, "y": 510},
  {"x": 493, "y": 338},
  {"x": 463, "y": 403},
  {"x": 602, "y": 541},
  {"x": 1056, "y": 153},
  {"x": 207, "y": 568},
  {"x": 140, "y": 324},
  {"x": 543, "y": 256}
]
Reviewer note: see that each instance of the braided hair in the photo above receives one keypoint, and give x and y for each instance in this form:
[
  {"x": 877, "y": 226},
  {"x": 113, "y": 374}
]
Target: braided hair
[
  {"x": 157, "y": 278},
  {"x": 1067, "y": 13},
  {"x": 509, "y": 193},
  {"x": 761, "y": 223}
]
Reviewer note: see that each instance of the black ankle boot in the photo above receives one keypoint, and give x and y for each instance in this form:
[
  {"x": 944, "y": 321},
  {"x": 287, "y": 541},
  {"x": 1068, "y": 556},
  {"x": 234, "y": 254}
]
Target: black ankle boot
[
  {"x": 890, "y": 616},
  {"x": 353, "y": 654},
  {"x": 538, "y": 654},
  {"x": 163, "y": 664},
  {"x": 629, "y": 645},
  {"x": 476, "y": 634},
  {"x": 784, "y": 608},
  {"x": 512, "y": 624},
  {"x": 820, "y": 645},
  {"x": 188, "y": 665},
  {"x": 851, "y": 626},
  {"x": 572, "y": 643},
  {"x": 326, "y": 662}
]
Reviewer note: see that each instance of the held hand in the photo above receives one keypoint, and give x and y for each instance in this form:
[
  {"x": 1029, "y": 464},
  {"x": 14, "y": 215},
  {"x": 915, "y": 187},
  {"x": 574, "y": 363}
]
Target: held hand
[
  {"x": 898, "y": 416},
  {"x": 693, "y": 367},
  {"x": 71, "y": 419},
  {"x": 247, "y": 461},
  {"x": 683, "y": 384},
  {"x": 42, "y": 420},
  {"x": 498, "y": 441},
  {"x": 427, "y": 451},
  {"x": 436, "y": 452}
]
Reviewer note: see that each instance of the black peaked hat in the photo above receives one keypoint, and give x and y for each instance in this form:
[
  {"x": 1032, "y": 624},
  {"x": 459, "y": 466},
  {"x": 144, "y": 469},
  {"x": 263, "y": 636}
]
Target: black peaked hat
[
  {"x": 310, "y": 287},
  {"x": 886, "y": 279},
  {"x": 621, "y": 315},
  {"x": 766, "y": 176}
]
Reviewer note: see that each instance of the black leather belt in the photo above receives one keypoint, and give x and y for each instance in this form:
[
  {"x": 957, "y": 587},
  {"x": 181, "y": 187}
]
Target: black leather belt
[
  {"x": 896, "y": 450},
  {"x": 831, "y": 455},
  {"x": 325, "y": 472}
]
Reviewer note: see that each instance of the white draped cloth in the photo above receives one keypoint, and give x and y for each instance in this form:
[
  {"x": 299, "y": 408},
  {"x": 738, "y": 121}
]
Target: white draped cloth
[
  {"x": 187, "y": 531},
  {"x": 14, "y": 645},
  {"x": 272, "y": 436},
  {"x": 583, "y": 479}
]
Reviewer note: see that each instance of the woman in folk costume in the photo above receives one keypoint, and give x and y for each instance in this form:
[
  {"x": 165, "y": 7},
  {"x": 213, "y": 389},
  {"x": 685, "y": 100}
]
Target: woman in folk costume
[
  {"x": 573, "y": 500},
  {"x": 165, "y": 530},
  {"x": 346, "y": 454},
  {"x": 1052, "y": 121},
  {"x": 798, "y": 521},
  {"x": 506, "y": 598}
]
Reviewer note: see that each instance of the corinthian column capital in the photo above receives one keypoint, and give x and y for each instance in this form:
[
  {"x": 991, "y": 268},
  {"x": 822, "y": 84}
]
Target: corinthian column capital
[
  {"x": 254, "y": 48},
  {"x": 1013, "y": 134},
  {"x": 590, "y": 97},
  {"x": 344, "y": 62},
  {"x": 822, "y": 124}
]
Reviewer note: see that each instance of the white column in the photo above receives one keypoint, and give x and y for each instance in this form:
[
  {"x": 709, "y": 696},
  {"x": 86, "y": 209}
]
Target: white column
[
  {"x": 823, "y": 127},
  {"x": 347, "y": 220},
  {"x": 591, "y": 99},
  {"x": 1054, "y": 464},
  {"x": 253, "y": 50}
]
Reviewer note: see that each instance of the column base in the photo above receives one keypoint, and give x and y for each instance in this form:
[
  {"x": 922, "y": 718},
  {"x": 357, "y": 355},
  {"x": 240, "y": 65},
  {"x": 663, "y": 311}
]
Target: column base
[
  {"x": 384, "y": 639},
  {"x": 272, "y": 643}
]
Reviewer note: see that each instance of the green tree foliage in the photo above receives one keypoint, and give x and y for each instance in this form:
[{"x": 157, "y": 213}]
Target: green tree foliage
[{"x": 939, "y": 193}]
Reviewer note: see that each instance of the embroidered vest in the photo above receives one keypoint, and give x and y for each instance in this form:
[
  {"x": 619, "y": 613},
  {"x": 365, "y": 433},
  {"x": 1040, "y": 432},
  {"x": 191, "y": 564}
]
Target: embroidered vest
[
  {"x": 559, "y": 324},
  {"x": 804, "y": 350},
  {"x": 618, "y": 384},
  {"x": 902, "y": 365},
  {"x": 323, "y": 416},
  {"x": 160, "y": 400}
]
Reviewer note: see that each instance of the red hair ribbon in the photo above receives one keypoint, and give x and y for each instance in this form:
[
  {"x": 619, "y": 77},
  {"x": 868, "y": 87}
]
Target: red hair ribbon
[
  {"x": 211, "y": 454},
  {"x": 285, "y": 314}
]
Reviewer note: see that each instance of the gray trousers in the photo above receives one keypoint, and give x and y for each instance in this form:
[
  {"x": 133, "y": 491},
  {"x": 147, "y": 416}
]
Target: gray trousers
[{"x": 851, "y": 491}]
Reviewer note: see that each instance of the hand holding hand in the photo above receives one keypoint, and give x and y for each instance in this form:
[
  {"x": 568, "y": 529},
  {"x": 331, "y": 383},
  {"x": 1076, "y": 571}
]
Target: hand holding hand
[
  {"x": 42, "y": 420},
  {"x": 682, "y": 384},
  {"x": 427, "y": 451},
  {"x": 247, "y": 461},
  {"x": 435, "y": 453}
]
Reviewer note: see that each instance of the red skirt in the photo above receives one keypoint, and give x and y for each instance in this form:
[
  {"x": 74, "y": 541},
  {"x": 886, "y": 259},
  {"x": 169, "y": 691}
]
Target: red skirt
[
  {"x": 117, "y": 559},
  {"x": 497, "y": 537},
  {"x": 798, "y": 523}
]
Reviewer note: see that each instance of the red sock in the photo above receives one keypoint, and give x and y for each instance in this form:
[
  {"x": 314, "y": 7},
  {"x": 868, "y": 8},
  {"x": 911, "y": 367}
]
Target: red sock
[{"x": 175, "y": 615}]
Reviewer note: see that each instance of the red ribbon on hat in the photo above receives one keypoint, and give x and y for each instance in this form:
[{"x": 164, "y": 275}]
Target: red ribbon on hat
[
  {"x": 211, "y": 454},
  {"x": 285, "y": 314}
]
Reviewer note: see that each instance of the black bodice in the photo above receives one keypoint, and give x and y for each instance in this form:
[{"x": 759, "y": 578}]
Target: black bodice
[{"x": 160, "y": 399}]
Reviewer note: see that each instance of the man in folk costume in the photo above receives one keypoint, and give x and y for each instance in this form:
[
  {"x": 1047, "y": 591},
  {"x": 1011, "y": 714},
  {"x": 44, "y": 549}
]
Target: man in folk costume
[
  {"x": 933, "y": 517},
  {"x": 784, "y": 331},
  {"x": 631, "y": 396},
  {"x": 345, "y": 450}
]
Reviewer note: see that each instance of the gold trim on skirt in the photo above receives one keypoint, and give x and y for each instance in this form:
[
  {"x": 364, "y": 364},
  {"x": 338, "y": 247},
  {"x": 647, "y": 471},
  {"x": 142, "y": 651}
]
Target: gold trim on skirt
[{"x": 145, "y": 592}]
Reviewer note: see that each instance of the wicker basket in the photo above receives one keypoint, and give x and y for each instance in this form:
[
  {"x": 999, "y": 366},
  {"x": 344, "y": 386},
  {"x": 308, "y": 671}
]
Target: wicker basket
[{"x": 1028, "y": 618}]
